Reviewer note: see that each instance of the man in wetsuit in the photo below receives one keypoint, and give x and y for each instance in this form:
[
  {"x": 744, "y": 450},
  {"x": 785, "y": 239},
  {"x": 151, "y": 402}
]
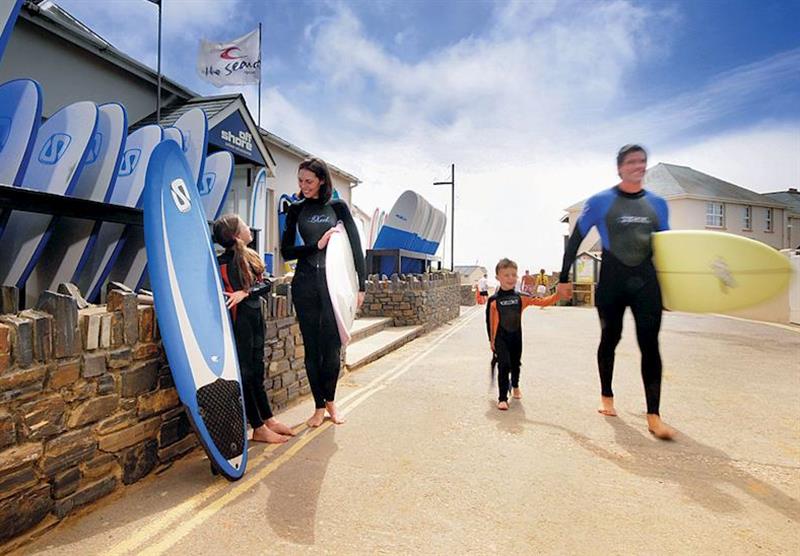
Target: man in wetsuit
[{"x": 625, "y": 216}]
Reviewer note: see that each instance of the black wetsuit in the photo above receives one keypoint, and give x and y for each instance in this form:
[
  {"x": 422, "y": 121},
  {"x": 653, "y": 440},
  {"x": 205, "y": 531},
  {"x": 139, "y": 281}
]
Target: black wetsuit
[
  {"x": 311, "y": 218},
  {"x": 248, "y": 331},
  {"x": 628, "y": 278},
  {"x": 504, "y": 327}
]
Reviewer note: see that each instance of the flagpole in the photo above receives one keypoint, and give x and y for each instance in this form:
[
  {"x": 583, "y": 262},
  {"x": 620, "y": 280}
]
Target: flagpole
[
  {"x": 158, "y": 88},
  {"x": 259, "y": 74}
]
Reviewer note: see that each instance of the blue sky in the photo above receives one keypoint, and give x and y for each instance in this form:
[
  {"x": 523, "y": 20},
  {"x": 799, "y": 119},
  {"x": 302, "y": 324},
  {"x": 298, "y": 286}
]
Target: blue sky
[{"x": 529, "y": 99}]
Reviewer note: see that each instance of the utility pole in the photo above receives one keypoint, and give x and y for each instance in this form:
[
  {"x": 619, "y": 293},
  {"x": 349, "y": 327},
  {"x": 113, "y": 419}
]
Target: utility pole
[{"x": 452, "y": 184}]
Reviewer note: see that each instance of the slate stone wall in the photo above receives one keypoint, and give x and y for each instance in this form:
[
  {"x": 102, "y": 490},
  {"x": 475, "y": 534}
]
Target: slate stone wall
[{"x": 414, "y": 299}]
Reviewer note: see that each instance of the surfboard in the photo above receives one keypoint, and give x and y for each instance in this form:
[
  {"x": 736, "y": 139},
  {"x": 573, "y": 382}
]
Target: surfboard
[
  {"x": 373, "y": 228},
  {"x": 193, "y": 321},
  {"x": 216, "y": 182},
  {"x": 340, "y": 274},
  {"x": 73, "y": 238},
  {"x": 61, "y": 148},
  {"x": 283, "y": 207},
  {"x": 713, "y": 272},
  {"x": 397, "y": 231},
  {"x": 9, "y": 10},
  {"x": 258, "y": 210},
  {"x": 194, "y": 128},
  {"x": 127, "y": 192},
  {"x": 20, "y": 114},
  {"x": 175, "y": 134}
]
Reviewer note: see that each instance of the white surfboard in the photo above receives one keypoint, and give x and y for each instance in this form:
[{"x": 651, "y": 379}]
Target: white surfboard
[
  {"x": 20, "y": 114},
  {"x": 61, "y": 148},
  {"x": 258, "y": 209},
  {"x": 73, "y": 238},
  {"x": 373, "y": 229},
  {"x": 174, "y": 134},
  {"x": 215, "y": 183},
  {"x": 397, "y": 232},
  {"x": 194, "y": 128},
  {"x": 127, "y": 192},
  {"x": 342, "y": 279}
]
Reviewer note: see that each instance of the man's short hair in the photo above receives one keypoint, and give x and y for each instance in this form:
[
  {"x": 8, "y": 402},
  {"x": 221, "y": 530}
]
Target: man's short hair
[
  {"x": 625, "y": 150},
  {"x": 504, "y": 263}
]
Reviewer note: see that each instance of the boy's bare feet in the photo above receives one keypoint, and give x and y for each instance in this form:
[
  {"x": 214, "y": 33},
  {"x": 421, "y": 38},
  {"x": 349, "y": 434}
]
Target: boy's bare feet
[
  {"x": 516, "y": 393},
  {"x": 607, "y": 407},
  {"x": 331, "y": 407},
  {"x": 659, "y": 428},
  {"x": 316, "y": 419},
  {"x": 264, "y": 434},
  {"x": 276, "y": 426},
  {"x": 502, "y": 406}
]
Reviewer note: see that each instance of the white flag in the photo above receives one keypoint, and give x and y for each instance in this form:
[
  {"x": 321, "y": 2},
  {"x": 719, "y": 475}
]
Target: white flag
[{"x": 237, "y": 62}]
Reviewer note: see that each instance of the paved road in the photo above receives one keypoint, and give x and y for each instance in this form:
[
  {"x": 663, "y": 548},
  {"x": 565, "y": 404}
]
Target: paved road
[{"x": 426, "y": 465}]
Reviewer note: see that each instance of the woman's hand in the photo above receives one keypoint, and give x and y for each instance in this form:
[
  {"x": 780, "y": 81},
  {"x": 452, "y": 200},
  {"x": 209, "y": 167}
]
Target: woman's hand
[
  {"x": 323, "y": 241},
  {"x": 360, "y": 300},
  {"x": 234, "y": 298}
]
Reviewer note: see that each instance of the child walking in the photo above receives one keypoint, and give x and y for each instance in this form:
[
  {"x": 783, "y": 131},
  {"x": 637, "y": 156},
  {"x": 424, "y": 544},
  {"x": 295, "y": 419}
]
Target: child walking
[
  {"x": 242, "y": 277},
  {"x": 504, "y": 326}
]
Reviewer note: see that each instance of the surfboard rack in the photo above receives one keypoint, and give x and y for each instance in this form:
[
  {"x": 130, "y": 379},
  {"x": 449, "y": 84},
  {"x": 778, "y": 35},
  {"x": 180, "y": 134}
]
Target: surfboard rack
[{"x": 400, "y": 258}]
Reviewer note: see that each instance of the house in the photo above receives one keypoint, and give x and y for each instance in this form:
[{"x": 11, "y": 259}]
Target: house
[
  {"x": 470, "y": 274},
  {"x": 790, "y": 198}
]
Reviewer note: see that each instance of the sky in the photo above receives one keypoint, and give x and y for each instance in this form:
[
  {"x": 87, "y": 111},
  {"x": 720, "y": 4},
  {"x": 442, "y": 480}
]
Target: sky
[{"x": 529, "y": 100}]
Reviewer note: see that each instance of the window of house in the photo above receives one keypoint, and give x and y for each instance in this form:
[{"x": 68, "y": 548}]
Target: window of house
[
  {"x": 715, "y": 215},
  {"x": 769, "y": 221},
  {"x": 747, "y": 224}
]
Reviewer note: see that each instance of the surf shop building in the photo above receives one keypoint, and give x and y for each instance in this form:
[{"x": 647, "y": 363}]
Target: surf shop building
[{"x": 72, "y": 63}]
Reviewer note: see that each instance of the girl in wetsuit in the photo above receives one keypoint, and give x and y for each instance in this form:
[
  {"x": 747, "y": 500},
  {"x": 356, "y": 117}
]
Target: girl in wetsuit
[
  {"x": 314, "y": 217},
  {"x": 242, "y": 277}
]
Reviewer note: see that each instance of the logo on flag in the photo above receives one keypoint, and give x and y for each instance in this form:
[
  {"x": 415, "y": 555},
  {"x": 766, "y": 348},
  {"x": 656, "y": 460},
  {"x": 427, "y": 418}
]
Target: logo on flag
[{"x": 237, "y": 62}]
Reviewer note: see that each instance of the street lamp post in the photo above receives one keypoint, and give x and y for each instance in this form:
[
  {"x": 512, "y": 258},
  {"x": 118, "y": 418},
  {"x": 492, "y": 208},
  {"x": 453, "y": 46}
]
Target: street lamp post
[{"x": 452, "y": 184}]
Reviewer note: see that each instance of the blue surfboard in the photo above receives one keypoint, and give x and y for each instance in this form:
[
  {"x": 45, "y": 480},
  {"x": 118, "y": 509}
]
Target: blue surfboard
[
  {"x": 194, "y": 323},
  {"x": 216, "y": 182},
  {"x": 61, "y": 148},
  {"x": 20, "y": 114},
  {"x": 128, "y": 191},
  {"x": 9, "y": 10},
  {"x": 283, "y": 208},
  {"x": 73, "y": 238}
]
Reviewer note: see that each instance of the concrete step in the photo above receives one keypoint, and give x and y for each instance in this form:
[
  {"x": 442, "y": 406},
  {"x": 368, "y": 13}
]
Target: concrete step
[
  {"x": 367, "y": 326},
  {"x": 377, "y": 345}
]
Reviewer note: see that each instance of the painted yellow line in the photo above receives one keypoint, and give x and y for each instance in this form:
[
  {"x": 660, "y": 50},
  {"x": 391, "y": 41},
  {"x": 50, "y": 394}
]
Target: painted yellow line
[
  {"x": 164, "y": 521},
  {"x": 241, "y": 487}
]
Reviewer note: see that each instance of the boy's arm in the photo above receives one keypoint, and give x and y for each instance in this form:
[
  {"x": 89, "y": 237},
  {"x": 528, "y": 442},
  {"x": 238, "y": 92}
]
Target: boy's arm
[
  {"x": 527, "y": 301},
  {"x": 489, "y": 324}
]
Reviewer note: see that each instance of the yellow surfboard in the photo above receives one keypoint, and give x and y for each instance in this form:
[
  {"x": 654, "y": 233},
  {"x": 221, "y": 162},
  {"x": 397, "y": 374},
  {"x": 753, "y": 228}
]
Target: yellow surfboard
[{"x": 713, "y": 272}]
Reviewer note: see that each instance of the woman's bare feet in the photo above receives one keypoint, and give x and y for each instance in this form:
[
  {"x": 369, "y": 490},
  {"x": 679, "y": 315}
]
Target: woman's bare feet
[
  {"x": 276, "y": 426},
  {"x": 607, "y": 407},
  {"x": 502, "y": 406},
  {"x": 331, "y": 407},
  {"x": 516, "y": 393},
  {"x": 264, "y": 434},
  {"x": 659, "y": 428},
  {"x": 316, "y": 419}
]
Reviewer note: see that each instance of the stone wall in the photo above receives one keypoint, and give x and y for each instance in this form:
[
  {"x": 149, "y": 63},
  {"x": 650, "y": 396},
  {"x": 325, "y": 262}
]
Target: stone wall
[
  {"x": 87, "y": 402},
  {"x": 468, "y": 295},
  {"x": 412, "y": 299}
]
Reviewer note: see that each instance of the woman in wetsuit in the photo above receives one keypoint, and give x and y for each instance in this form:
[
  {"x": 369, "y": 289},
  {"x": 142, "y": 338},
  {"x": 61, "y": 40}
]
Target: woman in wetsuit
[
  {"x": 314, "y": 217},
  {"x": 242, "y": 277}
]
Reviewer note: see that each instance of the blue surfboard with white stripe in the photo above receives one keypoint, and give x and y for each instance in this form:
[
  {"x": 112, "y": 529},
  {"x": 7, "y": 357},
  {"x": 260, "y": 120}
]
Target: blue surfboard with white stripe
[
  {"x": 194, "y": 323},
  {"x": 20, "y": 115},
  {"x": 215, "y": 183}
]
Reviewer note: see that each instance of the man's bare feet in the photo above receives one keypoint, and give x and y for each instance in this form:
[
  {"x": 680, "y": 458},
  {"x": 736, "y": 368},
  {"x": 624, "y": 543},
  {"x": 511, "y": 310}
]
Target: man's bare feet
[
  {"x": 502, "y": 406},
  {"x": 516, "y": 393},
  {"x": 264, "y": 434},
  {"x": 316, "y": 419},
  {"x": 331, "y": 407},
  {"x": 607, "y": 407},
  {"x": 659, "y": 428},
  {"x": 276, "y": 426}
]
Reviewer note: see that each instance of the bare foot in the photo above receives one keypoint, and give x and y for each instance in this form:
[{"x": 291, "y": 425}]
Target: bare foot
[
  {"x": 502, "y": 406},
  {"x": 607, "y": 407},
  {"x": 264, "y": 434},
  {"x": 516, "y": 393},
  {"x": 659, "y": 428},
  {"x": 274, "y": 425},
  {"x": 331, "y": 407},
  {"x": 316, "y": 419}
]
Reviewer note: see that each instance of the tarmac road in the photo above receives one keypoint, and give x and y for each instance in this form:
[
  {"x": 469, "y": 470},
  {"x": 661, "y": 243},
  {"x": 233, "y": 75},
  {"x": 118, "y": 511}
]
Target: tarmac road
[{"x": 426, "y": 465}]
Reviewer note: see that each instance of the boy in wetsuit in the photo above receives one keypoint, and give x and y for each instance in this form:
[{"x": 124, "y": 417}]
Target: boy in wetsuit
[{"x": 504, "y": 326}]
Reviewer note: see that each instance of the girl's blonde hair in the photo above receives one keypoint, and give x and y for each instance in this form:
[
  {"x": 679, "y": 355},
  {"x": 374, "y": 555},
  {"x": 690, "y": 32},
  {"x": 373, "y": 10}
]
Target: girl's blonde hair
[{"x": 247, "y": 261}]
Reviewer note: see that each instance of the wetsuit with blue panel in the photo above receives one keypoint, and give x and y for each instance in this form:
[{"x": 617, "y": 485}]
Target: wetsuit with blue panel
[{"x": 628, "y": 278}]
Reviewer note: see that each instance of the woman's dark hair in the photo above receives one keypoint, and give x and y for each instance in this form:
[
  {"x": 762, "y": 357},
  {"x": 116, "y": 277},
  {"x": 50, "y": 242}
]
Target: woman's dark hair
[
  {"x": 628, "y": 149},
  {"x": 320, "y": 169}
]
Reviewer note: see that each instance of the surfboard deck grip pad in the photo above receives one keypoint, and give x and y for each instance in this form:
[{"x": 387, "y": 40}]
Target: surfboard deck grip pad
[{"x": 220, "y": 406}]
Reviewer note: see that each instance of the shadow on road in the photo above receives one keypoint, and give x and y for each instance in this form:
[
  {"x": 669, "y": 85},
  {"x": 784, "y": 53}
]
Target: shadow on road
[
  {"x": 700, "y": 470},
  {"x": 294, "y": 491}
]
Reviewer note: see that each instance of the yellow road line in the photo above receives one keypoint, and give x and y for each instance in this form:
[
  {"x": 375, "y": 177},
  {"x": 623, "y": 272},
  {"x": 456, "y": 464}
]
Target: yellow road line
[{"x": 153, "y": 529}]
